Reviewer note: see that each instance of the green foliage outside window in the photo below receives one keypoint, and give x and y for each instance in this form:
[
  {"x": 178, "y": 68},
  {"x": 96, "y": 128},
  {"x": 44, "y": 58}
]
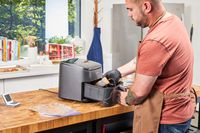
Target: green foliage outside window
[
  {"x": 72, "y": 11},
  {"x": 73, "y": 17},
  {"x": 22, "y": 18},
  {"x": 60, "y": 40}
]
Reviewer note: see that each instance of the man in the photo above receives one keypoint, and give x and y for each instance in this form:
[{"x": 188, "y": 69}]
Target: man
[{"x": 164, "y": 71}]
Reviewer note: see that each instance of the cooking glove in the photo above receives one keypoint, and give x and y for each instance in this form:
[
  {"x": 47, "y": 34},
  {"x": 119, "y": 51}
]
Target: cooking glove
[
  {"x": 116, "y": 92},
  {"x": 113, "y": 76}
]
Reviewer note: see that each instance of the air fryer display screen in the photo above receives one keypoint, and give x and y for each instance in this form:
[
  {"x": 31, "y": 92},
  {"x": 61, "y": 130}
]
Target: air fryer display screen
[
  {"x": 71, "y": 61},
  {"x": 8, "y": 98}
]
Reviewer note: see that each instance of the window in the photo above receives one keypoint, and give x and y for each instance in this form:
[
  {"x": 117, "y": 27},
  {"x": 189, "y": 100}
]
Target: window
[
  {"x": 22, "y": 18},
  {"x": 74, "y": 17}
]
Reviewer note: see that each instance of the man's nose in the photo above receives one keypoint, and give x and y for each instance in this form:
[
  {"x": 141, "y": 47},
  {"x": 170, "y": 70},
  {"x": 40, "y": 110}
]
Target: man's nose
[{"x": 129, "y": 14}]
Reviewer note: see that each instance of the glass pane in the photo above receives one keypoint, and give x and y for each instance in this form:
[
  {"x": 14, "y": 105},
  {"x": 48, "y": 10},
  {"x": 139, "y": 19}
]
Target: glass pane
[
  {"x": 22, "y": 20},
  {"x": 74, "y": 17},
  {"x": 19, "y": 20}
]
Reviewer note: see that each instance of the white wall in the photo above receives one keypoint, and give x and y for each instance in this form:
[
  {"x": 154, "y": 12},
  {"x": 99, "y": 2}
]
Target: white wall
[
  {"x": 87, "y": 9},
  {"x": 105, "y": 24},
  {"x": 195, "y": 20},
  {"x": 1, "y": 87},
  {"x": 191, "y": 10},
  {"x": 56, "y": 24}
]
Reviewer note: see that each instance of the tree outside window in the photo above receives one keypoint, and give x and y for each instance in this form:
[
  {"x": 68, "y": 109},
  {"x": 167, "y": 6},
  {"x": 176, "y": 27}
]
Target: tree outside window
[{"x": 22, "y": 18}]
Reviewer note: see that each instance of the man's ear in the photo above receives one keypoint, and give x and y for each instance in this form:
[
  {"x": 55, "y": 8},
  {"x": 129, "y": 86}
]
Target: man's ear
[{"x": 147, "y": 7}]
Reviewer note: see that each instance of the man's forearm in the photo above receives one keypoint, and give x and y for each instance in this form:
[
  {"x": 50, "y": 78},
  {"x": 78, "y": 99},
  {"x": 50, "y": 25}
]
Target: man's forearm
[
  {"x": 128, "y": 68},
  {"x": 132, "y": 99}
]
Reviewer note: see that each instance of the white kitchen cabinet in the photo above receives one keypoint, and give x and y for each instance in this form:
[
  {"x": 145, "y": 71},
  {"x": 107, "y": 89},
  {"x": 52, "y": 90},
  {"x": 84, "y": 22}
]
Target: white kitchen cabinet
[
  {"x": 31, "y": 83},
  {"x": 35, "y": 77}
]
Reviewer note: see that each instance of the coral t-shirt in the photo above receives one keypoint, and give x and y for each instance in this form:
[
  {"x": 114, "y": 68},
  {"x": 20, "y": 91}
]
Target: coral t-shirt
[{"x": 166, "y": 52}]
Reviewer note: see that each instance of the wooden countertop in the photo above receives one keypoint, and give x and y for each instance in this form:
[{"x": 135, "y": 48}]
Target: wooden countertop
[
  {"x": 21, "y": 119},
  {"x": 197, "y": 89}
]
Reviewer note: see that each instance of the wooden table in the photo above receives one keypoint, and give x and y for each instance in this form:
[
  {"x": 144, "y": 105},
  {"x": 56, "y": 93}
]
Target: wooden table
[
  {"x": 197, "y": 89},
  {"x": 22, "y": 119}
]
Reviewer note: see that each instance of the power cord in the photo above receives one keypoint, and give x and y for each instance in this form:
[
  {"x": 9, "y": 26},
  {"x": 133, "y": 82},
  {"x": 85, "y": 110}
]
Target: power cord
[{"x": 48, "y": 91}]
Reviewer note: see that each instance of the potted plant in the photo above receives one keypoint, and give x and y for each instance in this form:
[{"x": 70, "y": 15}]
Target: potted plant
[
  {"x": 60, "y": 48},
  {"x": 32, "y": 48}
]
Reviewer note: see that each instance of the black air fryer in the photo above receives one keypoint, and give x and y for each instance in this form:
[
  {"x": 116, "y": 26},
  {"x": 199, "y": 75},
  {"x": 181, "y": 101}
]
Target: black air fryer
[{"x": 77, "y": 78}]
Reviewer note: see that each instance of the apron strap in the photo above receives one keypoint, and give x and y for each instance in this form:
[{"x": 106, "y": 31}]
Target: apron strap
[
  {"x": 194, "y": 94},
  {"x": 174, "y": 96},
  {"x": 184, "y": 94}
]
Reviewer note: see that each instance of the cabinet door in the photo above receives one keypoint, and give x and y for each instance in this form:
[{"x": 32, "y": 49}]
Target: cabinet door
[
  {"x": 31, "y": 83},
  {"x": 1, "y": 86}
]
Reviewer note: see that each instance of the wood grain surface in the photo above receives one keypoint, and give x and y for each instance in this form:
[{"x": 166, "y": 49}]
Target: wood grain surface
[
  {"x": 197, "y": 89},
  {"x": 22, "y": 120}
]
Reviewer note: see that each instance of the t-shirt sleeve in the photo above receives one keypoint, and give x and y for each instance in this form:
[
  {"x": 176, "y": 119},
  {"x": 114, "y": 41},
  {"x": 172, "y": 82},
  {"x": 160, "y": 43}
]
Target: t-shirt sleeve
[{"x": 152, "y": 57}]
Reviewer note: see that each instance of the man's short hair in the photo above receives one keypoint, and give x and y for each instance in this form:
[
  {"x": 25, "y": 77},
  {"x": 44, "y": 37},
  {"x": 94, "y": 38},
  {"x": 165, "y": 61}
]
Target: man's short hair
[{"x": 137, "y": 1}]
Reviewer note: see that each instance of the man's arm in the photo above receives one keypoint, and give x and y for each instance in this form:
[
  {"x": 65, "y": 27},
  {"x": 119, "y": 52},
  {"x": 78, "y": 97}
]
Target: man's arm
[
  {"x": 114, "y": 75},
  {"x": 139, "y": 90},
  {"x": 128, "y": 68}
]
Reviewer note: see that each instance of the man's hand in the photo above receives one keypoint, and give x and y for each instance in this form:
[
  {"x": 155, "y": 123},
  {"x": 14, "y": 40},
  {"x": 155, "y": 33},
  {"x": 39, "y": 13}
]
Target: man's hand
[
  {"x": 113, "y": 76},
  {"x": 121, "y": 94},
  {"x": 122, "y": 97}
]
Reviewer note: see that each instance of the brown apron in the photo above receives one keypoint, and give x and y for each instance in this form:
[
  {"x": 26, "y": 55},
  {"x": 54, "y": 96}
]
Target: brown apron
[{"x": 147, "y": 115}]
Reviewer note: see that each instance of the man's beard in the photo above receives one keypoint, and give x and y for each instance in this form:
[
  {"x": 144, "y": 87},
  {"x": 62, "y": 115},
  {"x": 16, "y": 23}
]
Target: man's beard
[{"x": 143, "y": 22}]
